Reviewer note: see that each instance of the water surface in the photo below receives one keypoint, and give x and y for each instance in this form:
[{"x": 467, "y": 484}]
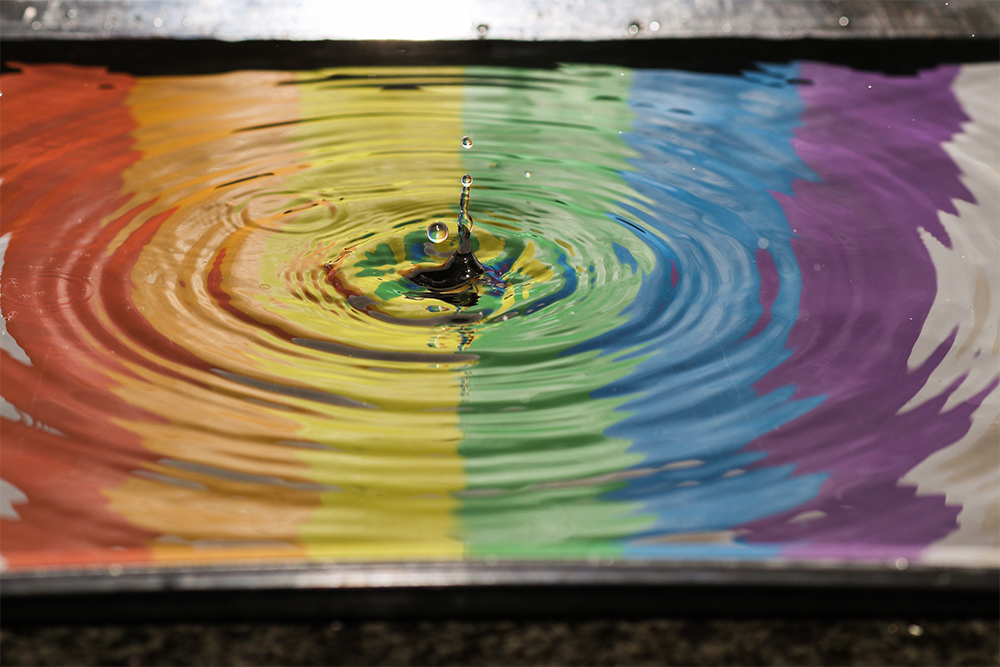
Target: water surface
[{"x": 729, "y": 316}]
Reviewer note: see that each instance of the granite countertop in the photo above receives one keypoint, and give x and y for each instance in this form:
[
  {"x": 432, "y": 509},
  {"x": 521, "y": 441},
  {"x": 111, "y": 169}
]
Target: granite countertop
[{"x": 881, "y": 641}]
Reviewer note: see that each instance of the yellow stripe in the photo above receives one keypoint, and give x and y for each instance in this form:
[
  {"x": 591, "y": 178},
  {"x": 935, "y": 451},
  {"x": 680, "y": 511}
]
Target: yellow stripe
[{"x": 399, "y": 465}]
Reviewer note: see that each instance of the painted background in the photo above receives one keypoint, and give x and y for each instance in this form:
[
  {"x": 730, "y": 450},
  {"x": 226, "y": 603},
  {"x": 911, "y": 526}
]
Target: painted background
[{"x": 745, "y": 317}]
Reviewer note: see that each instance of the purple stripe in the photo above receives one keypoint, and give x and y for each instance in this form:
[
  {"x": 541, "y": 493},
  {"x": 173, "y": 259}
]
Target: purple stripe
[
  {"x": 769, "y": 284},
  {"x": 868, "y": 283}
]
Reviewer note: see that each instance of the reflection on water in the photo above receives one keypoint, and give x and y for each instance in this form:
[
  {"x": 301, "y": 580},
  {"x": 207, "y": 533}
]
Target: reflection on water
[{"x": 698, "y": 316}]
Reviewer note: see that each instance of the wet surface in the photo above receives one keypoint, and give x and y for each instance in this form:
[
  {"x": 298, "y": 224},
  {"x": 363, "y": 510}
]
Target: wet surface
[{"x": 699, "y": 315}]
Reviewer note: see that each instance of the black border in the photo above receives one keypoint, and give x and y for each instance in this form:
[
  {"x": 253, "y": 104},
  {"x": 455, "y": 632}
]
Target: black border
[
  {"x": 495, "y": 590},
  {"x": 726, "y": 56}
]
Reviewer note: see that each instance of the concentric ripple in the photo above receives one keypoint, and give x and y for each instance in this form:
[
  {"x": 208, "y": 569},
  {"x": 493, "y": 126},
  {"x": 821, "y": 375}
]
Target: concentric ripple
[{"x": 214, "y": 348}]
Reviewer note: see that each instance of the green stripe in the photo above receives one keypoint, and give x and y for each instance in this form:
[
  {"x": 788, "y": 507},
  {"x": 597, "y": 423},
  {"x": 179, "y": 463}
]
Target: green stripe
[{"x": 537, "y": 462}]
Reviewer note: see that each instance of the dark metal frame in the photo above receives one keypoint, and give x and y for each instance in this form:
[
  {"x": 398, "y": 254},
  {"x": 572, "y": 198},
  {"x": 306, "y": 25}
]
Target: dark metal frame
[
  {"x": 495, "y": 589},
  {"x": 486, "y": 588}
]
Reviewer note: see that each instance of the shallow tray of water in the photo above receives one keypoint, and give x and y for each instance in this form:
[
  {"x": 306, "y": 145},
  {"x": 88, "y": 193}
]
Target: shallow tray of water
[{"x": 674, "y": 329}]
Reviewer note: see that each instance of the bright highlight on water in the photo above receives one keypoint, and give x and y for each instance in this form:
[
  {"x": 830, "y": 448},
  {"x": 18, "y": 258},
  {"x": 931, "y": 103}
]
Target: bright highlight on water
[{"x": 699, "y": 317}]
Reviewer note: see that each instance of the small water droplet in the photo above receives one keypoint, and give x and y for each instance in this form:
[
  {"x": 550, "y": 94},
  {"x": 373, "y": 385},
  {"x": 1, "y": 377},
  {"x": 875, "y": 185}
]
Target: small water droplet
[
  {"x": 466, "y": 181},
  {"x": 482, "y": 29},
  {"x": 435, "y": 309},
  {"x": 466, "y": 142},
  {"x": 527, "y": 174},
  {"x": 633, "y": 29},
  {"x": 763, "y": 243},
  {"x": 437, "y": 232},
  {"x": 264, "y": 286},
  {"x": 843, "y": 21}
]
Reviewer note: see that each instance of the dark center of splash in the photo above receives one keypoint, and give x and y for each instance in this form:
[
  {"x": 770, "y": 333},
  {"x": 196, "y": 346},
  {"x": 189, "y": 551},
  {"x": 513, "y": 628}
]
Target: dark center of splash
[
  {"x": 406, "y": 280},
  {"x": 454, "y": 280}
]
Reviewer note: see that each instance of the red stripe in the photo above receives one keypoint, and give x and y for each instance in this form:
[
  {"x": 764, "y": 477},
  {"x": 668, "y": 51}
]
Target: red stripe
[{"x": 66, "y": 135}]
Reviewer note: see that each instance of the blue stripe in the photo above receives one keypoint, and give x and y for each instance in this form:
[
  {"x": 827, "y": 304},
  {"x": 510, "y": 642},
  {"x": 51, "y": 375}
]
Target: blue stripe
[{"x": 711, "y": 150}]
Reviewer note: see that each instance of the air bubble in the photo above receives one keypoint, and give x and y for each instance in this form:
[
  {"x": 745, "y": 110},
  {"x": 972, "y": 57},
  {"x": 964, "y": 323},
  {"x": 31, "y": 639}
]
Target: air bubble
[
  {"x": 437, "y": 232},
  {"x": 466, "y": 181},
  {"x": 466, "y": 142}
]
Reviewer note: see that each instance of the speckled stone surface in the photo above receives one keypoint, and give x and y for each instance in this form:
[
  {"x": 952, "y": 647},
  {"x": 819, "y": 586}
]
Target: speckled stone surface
[{"x": 888, "y": 641}]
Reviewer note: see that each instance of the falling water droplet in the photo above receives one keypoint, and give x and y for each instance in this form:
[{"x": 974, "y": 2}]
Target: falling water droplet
[
  {"x": 437, "y": 232},
  {"x": 462, "y": 268},
  {"x": 466, "y": 142}
]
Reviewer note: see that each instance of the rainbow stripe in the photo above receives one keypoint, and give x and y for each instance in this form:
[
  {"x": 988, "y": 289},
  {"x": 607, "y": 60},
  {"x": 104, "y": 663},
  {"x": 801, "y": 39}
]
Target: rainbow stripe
[{"x": 785, "y": 348}]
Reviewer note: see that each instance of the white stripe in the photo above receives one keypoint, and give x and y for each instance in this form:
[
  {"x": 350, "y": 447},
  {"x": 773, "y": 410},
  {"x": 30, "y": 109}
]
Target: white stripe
[{"x": 968, "y": 298}]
